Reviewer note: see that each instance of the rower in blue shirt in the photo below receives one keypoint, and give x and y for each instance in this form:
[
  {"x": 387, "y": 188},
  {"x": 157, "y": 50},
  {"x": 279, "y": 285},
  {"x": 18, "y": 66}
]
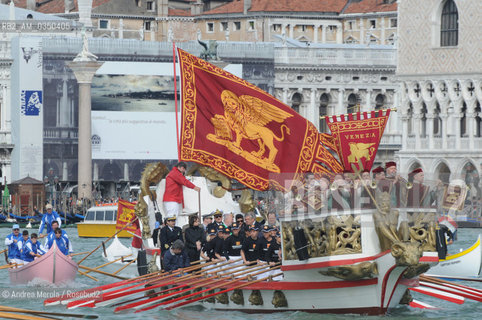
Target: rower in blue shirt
[
  {"x": 51, "y": 235},
  {"x": 11, "y": 243},
  {"x": 62, "y": 242},
  {"x": 31, "y": 249},
  {"x": 47, "y": 220},
  {"x": 20, "y": 244}
]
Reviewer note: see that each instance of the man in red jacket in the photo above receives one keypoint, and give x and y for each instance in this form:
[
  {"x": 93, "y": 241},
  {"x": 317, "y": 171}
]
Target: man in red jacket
[{"x": 173, "y": 197}]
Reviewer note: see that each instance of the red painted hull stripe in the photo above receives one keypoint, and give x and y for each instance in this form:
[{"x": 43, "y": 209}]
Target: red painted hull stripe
[
  {"x": 331, "y": 263},
  {"x": 428, "y": 259},
  {"x": 285, "y": 285}
]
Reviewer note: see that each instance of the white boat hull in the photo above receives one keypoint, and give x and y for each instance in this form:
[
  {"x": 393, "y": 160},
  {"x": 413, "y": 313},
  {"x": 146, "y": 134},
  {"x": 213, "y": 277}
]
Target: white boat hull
[{"x": 464, "y": 264}]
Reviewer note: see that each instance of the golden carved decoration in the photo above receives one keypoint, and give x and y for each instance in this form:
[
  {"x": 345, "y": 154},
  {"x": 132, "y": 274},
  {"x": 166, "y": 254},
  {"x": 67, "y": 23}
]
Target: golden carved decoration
[
  {"x": 246, "y": 201},
  {"x": 353, "y": 272},
  {"x": 407, "y": 298},
  {"x": 255, "y": 298},
  {"x": 248, "y": 117},
  {"x": 332, "y": 235},
  {"x": 210, "y": 299},
  {"x": 279, "y": 299},
  {"x": 416, "y": 270},
  {"x": 406, "y": 253},
  {"x": 152, "y": 175},
  {"x": 237, "y": 297},
  {"x": 214, "y": 176}
]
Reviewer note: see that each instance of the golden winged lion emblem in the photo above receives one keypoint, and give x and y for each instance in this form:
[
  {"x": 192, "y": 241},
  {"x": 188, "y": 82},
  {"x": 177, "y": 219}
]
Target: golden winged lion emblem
[
  {"x": 246, "y": 117},
  {"x": 360, "y": 150}
]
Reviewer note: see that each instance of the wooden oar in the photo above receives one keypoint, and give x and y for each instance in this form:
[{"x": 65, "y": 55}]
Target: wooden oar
[
  {"x": 446, "y": 288},
  {"x": 103, "y": 272},
  {"x": 108, "y": 263},
  {"x": 107, "y": 240},
  {"x": 421, "y": 305},
  {"x": 4, "y": 250},
  {"x": 209, "y": 288},
  {"x": 78, "y": 253},
  {"x": 436, "y": 280},
  {"x": 105, "y": 287},
  {"x": 111, "y": 286},
  {"x": 440, "y": 294},
  {"x": 187, "y": 282},
  {"x": 156, "y": 298},
  {"x": 90, "y": 302},
  {"x": 150, "y": 285},
  {"x": 221, "y": 291},
  {"x": 199, "y": 284},
  {"x": 87, "y": 275},
  {"x": 127, "y": 264},
  {"x": 68, "y": 315},
  {"x": 8, "y": 315},
  {"x": 12, "y": 265}
]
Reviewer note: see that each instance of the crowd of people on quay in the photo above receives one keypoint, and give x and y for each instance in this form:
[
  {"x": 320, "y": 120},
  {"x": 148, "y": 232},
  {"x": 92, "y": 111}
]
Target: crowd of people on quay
[{"x": 24, "y": 247}]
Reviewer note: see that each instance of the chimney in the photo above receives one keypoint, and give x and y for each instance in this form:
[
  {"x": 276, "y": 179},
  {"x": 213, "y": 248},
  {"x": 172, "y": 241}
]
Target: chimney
[
  {"x": 69, "y": 5},
  {"x": 31, "y": 5},
  {"x": 247, "y": 6},
  {"x": 85, "y": 12},
  {"x": 196, "y": 8},
  {"x": 162, "y": 8}
]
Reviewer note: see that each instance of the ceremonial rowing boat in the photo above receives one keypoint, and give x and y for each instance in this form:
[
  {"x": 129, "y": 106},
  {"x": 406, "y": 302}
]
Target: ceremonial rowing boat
[
  {"x": 53, "y": 267},
  {"x": 465, "y": 264}
]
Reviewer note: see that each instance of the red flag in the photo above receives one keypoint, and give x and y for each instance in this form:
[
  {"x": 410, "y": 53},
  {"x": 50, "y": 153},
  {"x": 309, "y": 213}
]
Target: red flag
[
  {"x": 358, "y": 139},
  {"x": 238, "y": 129},
  {"x": 125, "y": 214}
]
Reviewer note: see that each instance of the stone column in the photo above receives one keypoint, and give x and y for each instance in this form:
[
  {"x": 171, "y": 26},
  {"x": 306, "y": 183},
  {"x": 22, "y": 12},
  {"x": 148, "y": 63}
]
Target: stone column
[
  {"x": 470, "y": 121},
  {"x": 315, "y": 34},
  {"x": 292, "y": 27},
  {"x": 382, "y": 30},
  {"x": 418, "y": 128},
  {"x": 84, "y": 72},
  {"x": 405, "y": 119},
  {"x": 457, "y": 118},
  {"x": 4, "y": 108},
  {"x": 126, "y": 171},
  {"x": 339, "y": 34},
  {"x": 341, "y": 105},
  {"x": 444, "y": 117},
  {"x": 362, "y": 32},
  {"x": 429, "y": 129},
  {"x": 311, "y": 111},
  {"x": 368, "y": 101},
  {"x": 285, "y": 95},
  {"x": 323, "y": 34}
]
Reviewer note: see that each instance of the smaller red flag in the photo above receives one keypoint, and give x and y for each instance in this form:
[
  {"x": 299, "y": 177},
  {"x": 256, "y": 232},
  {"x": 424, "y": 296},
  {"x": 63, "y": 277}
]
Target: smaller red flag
[{"x": 125, "y": 215}]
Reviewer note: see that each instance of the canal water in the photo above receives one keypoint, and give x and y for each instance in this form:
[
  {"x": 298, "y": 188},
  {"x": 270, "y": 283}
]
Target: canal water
[{"x": 32, "y": 296}]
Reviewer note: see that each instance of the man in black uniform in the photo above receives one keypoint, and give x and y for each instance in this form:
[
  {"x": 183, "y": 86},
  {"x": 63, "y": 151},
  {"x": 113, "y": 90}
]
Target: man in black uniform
[
  {"x": 273, "y": 255},
  {"x": 250, "y": 249},
  {"x": 213, "y": 248},
  {"x": 264, "y": 243},
  {"x": 218, "y": 220},
  {"x": 169, "y": 234},
  {"x": 233, "y": 243}
]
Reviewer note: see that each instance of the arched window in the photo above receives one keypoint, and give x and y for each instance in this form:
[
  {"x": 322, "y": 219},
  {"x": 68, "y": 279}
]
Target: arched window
[
  {"x": 437, "y": 121},
  {"x": 463, "y": 121},
  {"x": 296, "y": 101},
  {"x": 424, "y": 120},
  {"x": 449, "y": 27},
  {"x": 478, "y": 121},
  {"x": 379, "y": 101},
  {"x": 352, "y": 103},
  {"x": 324, "y": 101},
  {"x": 410, "y": 118}
]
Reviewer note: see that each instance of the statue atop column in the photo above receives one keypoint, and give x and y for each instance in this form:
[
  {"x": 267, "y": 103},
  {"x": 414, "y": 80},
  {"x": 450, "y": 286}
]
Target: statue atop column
[
  {"x": 85, "y": 55},
  {"x": 210, "y": 51}
]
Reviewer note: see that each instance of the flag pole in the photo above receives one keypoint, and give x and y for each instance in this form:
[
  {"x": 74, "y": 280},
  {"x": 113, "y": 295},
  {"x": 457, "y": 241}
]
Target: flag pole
[
  {"x": 347, "y": 114},
  {"x": 175, "y": 101}
]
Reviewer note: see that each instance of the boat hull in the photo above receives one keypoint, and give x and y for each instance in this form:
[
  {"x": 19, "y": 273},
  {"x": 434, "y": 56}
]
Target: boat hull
[
  {"x": 100, "y": 230},
  {"x": 467, "y": 263},
  {"x": 53, "y": 267}
]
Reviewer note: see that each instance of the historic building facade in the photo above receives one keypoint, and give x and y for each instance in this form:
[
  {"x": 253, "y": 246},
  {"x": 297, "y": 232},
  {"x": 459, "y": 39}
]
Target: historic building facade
[{"x": 439, "y": 69}]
